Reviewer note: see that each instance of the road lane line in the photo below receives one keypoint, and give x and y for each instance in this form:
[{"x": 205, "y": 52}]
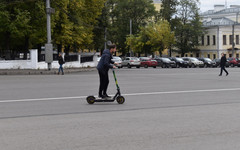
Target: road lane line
[{"x": 130, "y": 94}]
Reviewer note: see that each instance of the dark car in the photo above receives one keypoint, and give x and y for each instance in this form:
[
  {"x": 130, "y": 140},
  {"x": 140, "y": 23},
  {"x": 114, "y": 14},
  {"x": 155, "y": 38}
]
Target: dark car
[
  {"x": 233, "y": 62},
  {"x": 207, "y": 62},
  {"x": 148, "y": 62},
  {"x": 165, "y": 62},
  {"x": 179, "y": 62},
  {"x": 217, "y": 62}
]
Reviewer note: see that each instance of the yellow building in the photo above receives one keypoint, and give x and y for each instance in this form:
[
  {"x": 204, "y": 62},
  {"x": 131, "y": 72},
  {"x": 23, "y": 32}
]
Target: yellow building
[{"x": 220, "y": 25}]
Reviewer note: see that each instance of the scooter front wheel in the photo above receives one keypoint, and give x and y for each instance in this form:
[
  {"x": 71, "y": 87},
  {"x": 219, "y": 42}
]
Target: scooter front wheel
[
  {"x": 91, "y": 99},
  {"x": 120, "y": 99}
]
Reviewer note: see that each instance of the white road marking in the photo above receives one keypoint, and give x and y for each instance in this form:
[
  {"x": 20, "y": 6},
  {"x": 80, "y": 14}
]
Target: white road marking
[{"x": 130, "y": 94}]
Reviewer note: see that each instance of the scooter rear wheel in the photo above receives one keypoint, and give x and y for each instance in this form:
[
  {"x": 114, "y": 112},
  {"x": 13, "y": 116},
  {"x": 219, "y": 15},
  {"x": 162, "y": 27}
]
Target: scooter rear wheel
[
  {"x": 120, "y": 99},
  {"x": 91, "y": 99}
]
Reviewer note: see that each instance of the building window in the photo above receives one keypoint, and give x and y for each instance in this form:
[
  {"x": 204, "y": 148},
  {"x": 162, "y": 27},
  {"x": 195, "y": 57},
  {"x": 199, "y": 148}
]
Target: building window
[
  {"x": 230, "y": 55},
  {"x": 230, "y": 39},
  {"x": 237, "y": 39},
  {"x": 237, "y": 55},
  {"x": 214, "y": 56},
  {"x": 191, "y": 55},
  {"x": 224, "y": 40},
  {"x": 203, "y": 40},
  {"x": 208, "y": 55},
  {"x": 186, "y": 55},
  {"x": 208, "y": 40},
  {"x": 214, "y": 40},
  {"x": 197, "y": 55}
]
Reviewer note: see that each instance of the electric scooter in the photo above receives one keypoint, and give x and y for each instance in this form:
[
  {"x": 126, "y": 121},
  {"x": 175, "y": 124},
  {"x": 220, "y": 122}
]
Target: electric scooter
[{"x": 120, "y": 99}]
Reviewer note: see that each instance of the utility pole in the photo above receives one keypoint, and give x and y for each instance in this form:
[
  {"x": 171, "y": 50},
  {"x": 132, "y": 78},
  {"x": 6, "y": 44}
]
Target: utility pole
[
  {"x": 233, "y": 44},
  {"x": 130, "y": 35},
  {"x": 48, "y": 45}
]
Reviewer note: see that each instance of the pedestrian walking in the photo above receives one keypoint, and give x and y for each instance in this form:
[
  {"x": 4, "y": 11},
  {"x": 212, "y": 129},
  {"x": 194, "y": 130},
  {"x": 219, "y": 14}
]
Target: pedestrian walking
[
  {"x": 222, "y": 64},
  {"x": 103, "y": 66},
  {"x": 60, "y": 62}
]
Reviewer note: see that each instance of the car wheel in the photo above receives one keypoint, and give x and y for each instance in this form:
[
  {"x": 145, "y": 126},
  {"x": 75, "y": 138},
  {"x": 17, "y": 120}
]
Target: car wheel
[
  {"x": 145, "y": 66},
  {"x": 232, "y": 65},
  {"x": 129, "y": 66},
  {"x": 192, "y": 66}
]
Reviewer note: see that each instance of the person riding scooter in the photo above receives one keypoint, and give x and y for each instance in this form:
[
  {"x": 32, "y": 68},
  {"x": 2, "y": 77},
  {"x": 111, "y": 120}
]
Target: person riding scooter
[{"x": 103, "y": 66}]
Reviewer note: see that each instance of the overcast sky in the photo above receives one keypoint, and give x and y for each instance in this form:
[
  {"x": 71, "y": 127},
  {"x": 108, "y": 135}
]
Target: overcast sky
[{"x": 209, "y": 4}]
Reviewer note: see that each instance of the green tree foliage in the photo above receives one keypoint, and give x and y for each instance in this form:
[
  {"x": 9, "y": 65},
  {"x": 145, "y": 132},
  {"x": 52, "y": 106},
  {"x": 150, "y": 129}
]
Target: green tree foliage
[
  {"x": 139, "y": 11},
  {"x": 189, "y": 27},
  {"x": 153, "y": 37},
  {"x": 168, "y": 9},
  {"x": 23, "y": 24}
]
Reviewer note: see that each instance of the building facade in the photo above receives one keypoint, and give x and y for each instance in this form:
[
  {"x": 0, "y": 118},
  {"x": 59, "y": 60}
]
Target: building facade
[{"x": 223, "y": 31}]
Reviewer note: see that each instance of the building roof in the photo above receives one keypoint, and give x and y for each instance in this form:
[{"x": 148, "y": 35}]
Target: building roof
[
  {"x": 218, "y": 21},
  {"x": 221, "y": 15}
]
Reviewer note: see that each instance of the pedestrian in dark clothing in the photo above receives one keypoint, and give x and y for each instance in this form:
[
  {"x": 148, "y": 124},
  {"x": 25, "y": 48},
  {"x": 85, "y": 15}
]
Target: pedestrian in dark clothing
[
  {"x": 60, "y": 62},
  {"x": 103, "y": 66},
  {"x": 222, "y": 64}
]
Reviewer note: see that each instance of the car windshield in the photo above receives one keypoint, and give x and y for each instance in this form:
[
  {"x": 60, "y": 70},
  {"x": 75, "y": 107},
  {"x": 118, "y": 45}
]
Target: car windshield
[
  {"x": 166, "y": 59},
  {"x": 194, "y": 59},
  {"x": 134, "y": 58},
  {"x": 117, "y": 58},
  {"x": 145, "y": 58},
  {"x": 179, "y": 59},
  {"x": 207, "y": 59}
]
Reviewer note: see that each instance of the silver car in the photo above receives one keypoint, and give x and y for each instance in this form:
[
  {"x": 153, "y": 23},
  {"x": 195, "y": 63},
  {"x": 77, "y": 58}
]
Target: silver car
[
  {"x": 193, "y": 62},
  {"x": 117, "y": 60},
  {"x": 130, "y": 62}
]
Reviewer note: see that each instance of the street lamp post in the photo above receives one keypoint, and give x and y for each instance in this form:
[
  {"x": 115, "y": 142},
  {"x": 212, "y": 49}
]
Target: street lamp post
[{"x": 48, "y": 45}]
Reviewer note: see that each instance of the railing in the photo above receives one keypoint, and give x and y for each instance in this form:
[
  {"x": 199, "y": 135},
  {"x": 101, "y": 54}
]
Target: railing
[{"x": 86, "y": 58}]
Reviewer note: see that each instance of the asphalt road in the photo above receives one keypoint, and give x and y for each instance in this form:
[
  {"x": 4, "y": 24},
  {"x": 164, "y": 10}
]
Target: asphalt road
[{"x": 165, "y": 109}]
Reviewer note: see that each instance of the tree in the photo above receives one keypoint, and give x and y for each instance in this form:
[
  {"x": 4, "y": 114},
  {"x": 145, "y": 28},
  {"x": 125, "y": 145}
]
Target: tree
[
  {"x": 168, "y": 9},
  {"x": 153, "y": 37},
  {"x": 189, "y": 27},
  {"x": 74, "y": 21},
  {"x": 139, "y": 11},
  {"x": 14, "y": 23}
]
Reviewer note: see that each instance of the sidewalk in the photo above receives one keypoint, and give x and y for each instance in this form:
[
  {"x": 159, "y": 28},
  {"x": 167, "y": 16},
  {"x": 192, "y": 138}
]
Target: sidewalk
[{"x": 42, "y": 71}]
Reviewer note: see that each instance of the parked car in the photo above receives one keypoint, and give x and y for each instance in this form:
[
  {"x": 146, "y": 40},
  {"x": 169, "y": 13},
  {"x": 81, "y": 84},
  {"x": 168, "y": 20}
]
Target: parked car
[
  {"x": 207, "y": 62},
  {"x": 179, "y": 62},
  {"x": 148, "y": 62},
  {"x": 193, "y": 62},
  {"x": 165, "y": 62},
  {"x": 233, "y": 62},
  {"x": 130, "y": 62},
  {"x": 117, "y": 60},
  {"x": 217, "y": 62}
]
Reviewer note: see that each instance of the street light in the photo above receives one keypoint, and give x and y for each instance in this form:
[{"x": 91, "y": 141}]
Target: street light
[{"x": 48, "y": 45}]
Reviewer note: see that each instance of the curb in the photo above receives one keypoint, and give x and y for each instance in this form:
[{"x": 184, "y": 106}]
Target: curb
[{"x": 42, "y": 71}]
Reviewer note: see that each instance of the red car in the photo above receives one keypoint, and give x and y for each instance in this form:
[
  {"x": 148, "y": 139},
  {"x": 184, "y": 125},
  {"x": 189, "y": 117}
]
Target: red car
[
  {"x": 234, "y": 62},
  {"x": 148, "y": 62}
]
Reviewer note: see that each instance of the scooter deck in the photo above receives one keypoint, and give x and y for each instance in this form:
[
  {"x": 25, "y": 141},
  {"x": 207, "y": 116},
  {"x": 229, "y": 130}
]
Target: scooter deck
[{"x": 104, "y": 100}]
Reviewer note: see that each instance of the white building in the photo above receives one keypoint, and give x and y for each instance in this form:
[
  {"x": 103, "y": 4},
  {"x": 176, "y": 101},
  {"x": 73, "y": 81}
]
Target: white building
[{"x": 221, "y": 25}]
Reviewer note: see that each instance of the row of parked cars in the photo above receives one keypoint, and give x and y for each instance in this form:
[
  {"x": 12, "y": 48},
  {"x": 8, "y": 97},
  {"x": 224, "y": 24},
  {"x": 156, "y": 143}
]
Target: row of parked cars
[{"x": 172, "y": 62}]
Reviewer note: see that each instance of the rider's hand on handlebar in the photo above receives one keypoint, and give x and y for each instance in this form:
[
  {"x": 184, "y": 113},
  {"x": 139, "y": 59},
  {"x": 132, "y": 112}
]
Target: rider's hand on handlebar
[{"x": 114, "y": 67}]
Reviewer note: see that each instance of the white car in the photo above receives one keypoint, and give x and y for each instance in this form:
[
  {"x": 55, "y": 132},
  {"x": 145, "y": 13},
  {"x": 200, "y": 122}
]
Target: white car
[
  {"x": 193, "y": 62},
  {"x": 117, "y": 60},
  {"x": 131, "y": 61}
]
